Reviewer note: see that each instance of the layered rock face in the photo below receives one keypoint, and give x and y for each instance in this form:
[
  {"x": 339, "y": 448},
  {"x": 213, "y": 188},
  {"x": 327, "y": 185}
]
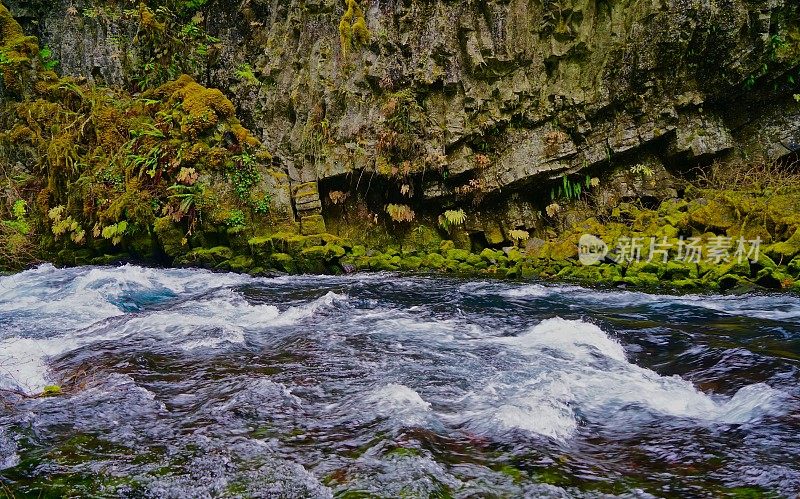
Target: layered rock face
[
  {"x": 355, "y": 134},
  {"x": 458, "y": 99}
]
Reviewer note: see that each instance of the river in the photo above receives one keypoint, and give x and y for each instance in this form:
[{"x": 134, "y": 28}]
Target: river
[{"x": 185, "y": 383}]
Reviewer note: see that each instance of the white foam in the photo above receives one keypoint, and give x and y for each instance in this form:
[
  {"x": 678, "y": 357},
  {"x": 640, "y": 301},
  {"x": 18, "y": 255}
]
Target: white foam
[
  {"x": 49, "y": 299},
  {"x": 579, "y": 340},
  {"x": 393, "y": 396},
  {"x": 577, "y": 368},
  {"x": 400, "y": 403},
  {"x": 293, "y": 315},
  {"x": 8, "y": 451},
  {"x": 70, "y": 299},
  {"x": 23, "y": 361}
]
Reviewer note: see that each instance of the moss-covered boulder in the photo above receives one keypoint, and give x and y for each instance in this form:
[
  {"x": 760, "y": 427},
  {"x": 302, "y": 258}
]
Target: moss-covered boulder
[
  {"x": 785, "y": 251},
  {"x": 206, "y": 257},
  {"x": 712, "y": 214}
]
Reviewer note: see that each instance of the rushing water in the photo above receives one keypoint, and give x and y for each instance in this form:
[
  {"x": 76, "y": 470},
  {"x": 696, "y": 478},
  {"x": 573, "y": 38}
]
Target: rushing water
[{"x": 183, "y": 383}]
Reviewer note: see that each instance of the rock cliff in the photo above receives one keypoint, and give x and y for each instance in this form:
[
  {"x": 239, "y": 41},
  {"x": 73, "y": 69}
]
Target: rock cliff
[{"x": 386, "y": 112}]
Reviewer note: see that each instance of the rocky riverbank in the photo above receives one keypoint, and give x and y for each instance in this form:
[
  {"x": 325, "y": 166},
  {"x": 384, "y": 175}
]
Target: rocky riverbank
[{"x": 694, "y": 189}]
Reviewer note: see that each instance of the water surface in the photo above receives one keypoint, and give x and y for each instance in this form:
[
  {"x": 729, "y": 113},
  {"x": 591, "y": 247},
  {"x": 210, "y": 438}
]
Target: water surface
[{"x": 183, "y": 383}]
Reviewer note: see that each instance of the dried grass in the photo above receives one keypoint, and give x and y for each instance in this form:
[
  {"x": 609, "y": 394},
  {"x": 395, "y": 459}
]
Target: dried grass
[{"x": 753, "y": 175}]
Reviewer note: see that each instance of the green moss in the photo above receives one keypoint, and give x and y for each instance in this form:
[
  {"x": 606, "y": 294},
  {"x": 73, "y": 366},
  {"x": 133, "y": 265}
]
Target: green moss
[
  {"x": 794, "y": 267},
  {"x": 515, "y": 474},
  {"x": 51, "y": 391},
  {"x": 411, "y": 263},
  {"x": 206, "y": 257},
  {"x": 352, "y": 27},
  {"x": 643, "y": 280},
  {"x": 458, "y": 254},
  {"x": 329, "y": 252},
  {"x": 383, "y": 262},
  {"x": 241, "y": 264},
  {"x": 489, "y": 255},
  {"x": 785, "y": 251},
  {"x": 714, "y": 215},
  {"x": 312, "y": 224},
  {"x": 433, "y": 261},
  {"x": 283, "y": 262},
  {"x": 422, "y": 238}
]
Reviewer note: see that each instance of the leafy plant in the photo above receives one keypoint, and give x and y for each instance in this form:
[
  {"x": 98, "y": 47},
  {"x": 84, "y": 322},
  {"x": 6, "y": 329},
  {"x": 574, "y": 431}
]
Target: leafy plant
[
  {"x": 797, "y": 97},
  {"x": 262, "y": 206},
  {"x": 235, "y": 219},
  {"x": 19, "y": 224},
  {"x": 66, "y": 225},
  {"x": 482, "y": 160},
  {"x": 172, "y": 42},
  {"x": 46, "y": 56},
  {"x": 400, "y": 212},
  {"x": 147, "y": 163},
  {"x": 776, "y": 44},
  {"x": 642, "y": 170},
  {"x": 572, "y": 190},
  {"x": 451, "y": 218},
  {"x": 188, "y": 197},
  {"x": 148, "y": 130},
  {"x": 115, "y": 232},
  {"x": 188, "y": 176},
  {"x": 519, "y": 235},
  {"x": 338, "y": 197},
  {"x": 400, "y": 110},
  {"x": 552, "y": 209},
  {"x": 189, "y": 5},
  {"x": 244, "y": 174},
  {"x": 245, "y": 73}
]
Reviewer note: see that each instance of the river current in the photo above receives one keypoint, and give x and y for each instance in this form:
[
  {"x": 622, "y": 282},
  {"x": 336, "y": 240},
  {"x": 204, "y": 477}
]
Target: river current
[{"x": 185, "y": 383}]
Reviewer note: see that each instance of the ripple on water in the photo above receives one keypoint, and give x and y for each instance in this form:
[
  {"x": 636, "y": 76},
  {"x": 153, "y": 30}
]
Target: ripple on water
[{"x": 213, "y": 384}]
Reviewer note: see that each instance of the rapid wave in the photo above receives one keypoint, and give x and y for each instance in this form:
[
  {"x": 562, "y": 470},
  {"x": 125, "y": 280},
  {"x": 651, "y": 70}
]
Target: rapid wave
[
  {"x": 112, "y": 302},
  {"x": 391, "y": 385},
  {"x": 777, "y": 307},
  {"x": 575, "y": 370}
]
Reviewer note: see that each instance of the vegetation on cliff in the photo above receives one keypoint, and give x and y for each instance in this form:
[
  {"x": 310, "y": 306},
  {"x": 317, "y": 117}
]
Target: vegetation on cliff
[
  {"x": 163, "y": 171},
  {"x": 93, "y": 171}
]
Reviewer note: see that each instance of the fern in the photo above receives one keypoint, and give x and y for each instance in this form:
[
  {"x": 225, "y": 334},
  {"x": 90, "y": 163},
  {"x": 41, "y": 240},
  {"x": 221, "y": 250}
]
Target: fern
[
  {"x": 19, "y": 224},
  {"x": 642, "y": 170},
  {"x": 188, "y": 197},
  {"x": 519, "y": 235},
  {"x": 246, "y": 73},
  {"x": 451, "y": 218},
  {"x": 570, "y": 190},
  {"x": 46, "y": 56},
  {"x": 400, "y": 212}
]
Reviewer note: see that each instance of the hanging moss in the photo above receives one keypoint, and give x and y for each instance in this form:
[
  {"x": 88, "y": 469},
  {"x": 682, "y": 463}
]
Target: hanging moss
[
  {"x": 353, "y": 28},
  {"x": 18, "y": 55}
]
